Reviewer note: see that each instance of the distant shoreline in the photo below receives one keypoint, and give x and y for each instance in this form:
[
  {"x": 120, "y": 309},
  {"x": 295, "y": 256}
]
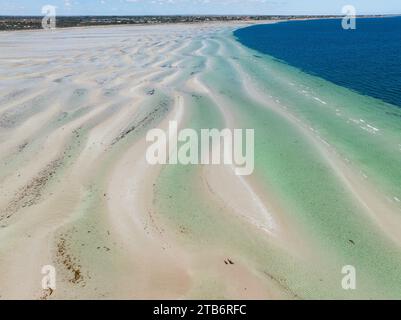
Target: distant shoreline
[{"x": 15, "y": 23}]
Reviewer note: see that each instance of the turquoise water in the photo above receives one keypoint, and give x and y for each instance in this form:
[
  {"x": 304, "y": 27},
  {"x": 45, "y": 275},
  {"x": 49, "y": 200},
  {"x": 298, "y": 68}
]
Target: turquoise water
[{"x": 296, "y": 175}]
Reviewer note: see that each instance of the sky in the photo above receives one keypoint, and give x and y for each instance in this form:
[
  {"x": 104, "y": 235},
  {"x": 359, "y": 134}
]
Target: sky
[{"x": 171, "y": 7}]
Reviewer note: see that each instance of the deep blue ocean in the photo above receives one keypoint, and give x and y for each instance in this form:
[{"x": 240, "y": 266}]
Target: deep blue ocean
[{"x": 366, "y": 60}]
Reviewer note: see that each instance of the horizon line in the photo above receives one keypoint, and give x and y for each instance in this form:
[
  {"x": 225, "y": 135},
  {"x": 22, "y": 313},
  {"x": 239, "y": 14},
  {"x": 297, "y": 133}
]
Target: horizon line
[{"x": 203, "y": 15}]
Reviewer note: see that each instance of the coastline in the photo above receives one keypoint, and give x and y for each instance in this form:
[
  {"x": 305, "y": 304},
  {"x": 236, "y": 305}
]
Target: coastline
[{"x": 207, "y": 20}]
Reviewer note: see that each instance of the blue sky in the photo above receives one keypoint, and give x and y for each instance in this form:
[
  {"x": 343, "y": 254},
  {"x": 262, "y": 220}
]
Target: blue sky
[{"x": 141, "y": 7}]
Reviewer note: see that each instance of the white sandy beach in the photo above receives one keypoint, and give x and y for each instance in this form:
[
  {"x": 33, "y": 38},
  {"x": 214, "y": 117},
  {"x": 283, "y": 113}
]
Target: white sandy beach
[{"x": 103, "y": 75}]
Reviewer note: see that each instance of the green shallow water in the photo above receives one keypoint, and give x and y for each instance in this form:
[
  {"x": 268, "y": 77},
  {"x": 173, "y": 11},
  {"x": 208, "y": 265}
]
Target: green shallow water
[
  {"x": 377, "y": 155},
  {"x": 293, "y": 170}
]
